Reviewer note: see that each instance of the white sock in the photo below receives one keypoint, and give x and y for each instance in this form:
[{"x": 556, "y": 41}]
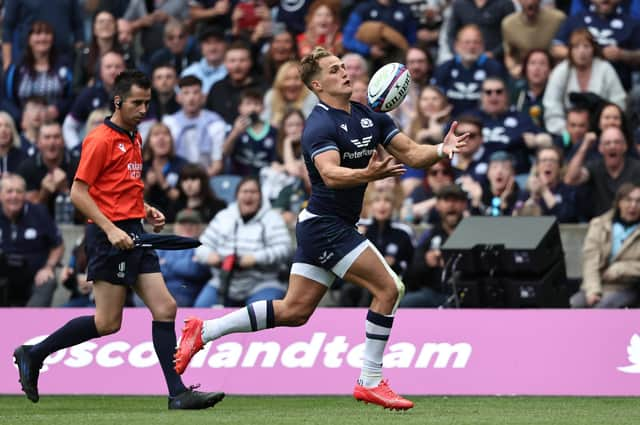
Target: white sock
[
  {"x": 378, "y": 328},
  {"x": 254, "y": 317}
]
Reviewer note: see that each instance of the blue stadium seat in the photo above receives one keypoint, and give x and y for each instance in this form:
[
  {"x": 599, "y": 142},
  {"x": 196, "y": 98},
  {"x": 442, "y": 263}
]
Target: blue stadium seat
[{"x": 224, "y": 186}]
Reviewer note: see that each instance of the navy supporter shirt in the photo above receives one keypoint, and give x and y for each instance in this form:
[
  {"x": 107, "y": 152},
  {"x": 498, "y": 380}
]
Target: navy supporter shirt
[
  {"x": 355, "y": 137},
  {"x": 31, "y": 237}
]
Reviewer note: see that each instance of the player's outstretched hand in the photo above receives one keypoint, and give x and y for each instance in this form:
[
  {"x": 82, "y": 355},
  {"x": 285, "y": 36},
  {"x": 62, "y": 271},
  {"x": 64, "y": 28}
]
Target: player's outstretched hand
[
  {"x": 382, "y": 169},
  {"x": 453, "y": 143},
  {"x": 155, "y": 218},
  {"x": 119, "y": 238}
]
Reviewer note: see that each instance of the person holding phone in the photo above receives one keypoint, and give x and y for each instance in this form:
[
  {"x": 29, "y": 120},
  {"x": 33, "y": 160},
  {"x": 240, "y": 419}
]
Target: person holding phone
[{"x": 251, "y": 144}]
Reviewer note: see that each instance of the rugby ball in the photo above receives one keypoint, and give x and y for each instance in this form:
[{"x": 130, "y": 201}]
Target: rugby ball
[{"x": 388, "y": 87}]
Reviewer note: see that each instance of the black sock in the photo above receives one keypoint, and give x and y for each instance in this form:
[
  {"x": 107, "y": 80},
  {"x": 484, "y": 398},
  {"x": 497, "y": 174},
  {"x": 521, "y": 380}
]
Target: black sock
[
  {"x": 164, "y": 342},
  {"x": 73, "y": 332}
]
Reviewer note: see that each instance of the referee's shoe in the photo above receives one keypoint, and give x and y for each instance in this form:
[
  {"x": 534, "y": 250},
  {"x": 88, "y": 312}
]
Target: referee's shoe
[
  {"x": 195, "y": 400},
  {"x": 29, "y": 371}
]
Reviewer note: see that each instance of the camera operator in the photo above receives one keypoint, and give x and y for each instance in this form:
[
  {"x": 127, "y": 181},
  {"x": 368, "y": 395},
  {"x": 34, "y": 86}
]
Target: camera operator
[{"x": 31, "y": 245}]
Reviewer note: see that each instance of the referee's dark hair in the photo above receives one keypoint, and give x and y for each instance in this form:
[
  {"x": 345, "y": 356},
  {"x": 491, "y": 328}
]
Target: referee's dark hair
[{"x": 128, "y": 78}]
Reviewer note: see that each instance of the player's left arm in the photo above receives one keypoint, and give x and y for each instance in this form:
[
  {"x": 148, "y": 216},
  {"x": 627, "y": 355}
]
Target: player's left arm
[
  {"x": 154, "y": 217},
  {"x": 416, "y": 155}
]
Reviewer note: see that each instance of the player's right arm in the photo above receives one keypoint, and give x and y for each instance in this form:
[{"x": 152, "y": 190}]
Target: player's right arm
[
  {"x": 338, "y": 177},
  {"x": 83, "y": 201}
]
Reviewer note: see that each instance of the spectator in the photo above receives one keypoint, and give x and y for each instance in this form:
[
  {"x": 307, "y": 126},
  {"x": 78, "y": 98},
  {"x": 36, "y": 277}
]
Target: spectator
[
  {"x": 487, "y": 15},
  {"x": 104, "y": 39},
  {"x": 164, "y": 81},
  {"x": 251, "y": 143},
  {"x": 430, "y": 15},
  {"x": 74, "y": 277},
  {"x": 210, "y": 69},
  {"x": 460, "y": 78},
  {"x": 424, "y": 276},
  {"x": 179, "y": 50},
  {"x": 62, "y": 16},
  {"x": 287, "y": 92},
  {"x": 195, "y": 194},
  {"x": 527, "y": 93},
  {"x": 547, "y": 193},
  {"x": 582, "y": 72},
  {"x": 294, "y": 194},
  {"x": 288, "y": 166},
  {"x": 611, "y": 115},
  {"x": 396, "y": 16},
  {"x": 497, "y": 196},
  {"x": 472, "y": 161},
  {"x": 357, "y": 67},
  {"x": 423, "y": 197},
  {"x": 148, "y": 18},
  {"x": 282, "y": 49},
  {"x": 420, "y": 66},
  {"x": 290, "y": 14},
  {"x": 198, "y": 134},
  {"x": 210, "y": 12},
  {"x": 322, "y": 28},
  {"x": 614, "y": 30},
  {"x": 359, "y": 90},
  {"x": 11, "y": 156},
  {"x": 255, "y": 240},
  {"x": 611, "y": 253},
  {"x": 431, "y": 115},
  {"x": 603, "y": 176},
  {"x": 31, "y": 244},
  {"x": 183, "y": 276},
  {"x": 505, "y": 129},
  {"x": 161, "y": 168},
  {"x": 34, "y": 113},
  {"x": 251, "y": 22},
  {"x": 393, "y": 239},
  {"x": 40, "y": 73},
  {"x": 577, "y": 129},
  {"x": 49, "y": 172},
  {"x": 224, "y": 96},
  {"x": 531, "y": 28},
  {"x": 90, "y": 98}
]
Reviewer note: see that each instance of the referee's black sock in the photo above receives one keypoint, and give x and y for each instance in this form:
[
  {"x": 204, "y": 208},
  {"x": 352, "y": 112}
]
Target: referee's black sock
[
  {"x": 164, "y": 342},
  {"x": 74, "y": 332}
]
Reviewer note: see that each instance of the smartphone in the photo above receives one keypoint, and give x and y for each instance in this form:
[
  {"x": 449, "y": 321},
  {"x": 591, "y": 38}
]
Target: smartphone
[{"x": 249, "y": 19}]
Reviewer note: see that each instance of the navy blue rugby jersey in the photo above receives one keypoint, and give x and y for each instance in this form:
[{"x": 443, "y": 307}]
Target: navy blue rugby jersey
[{"x": 355, "y": 137}]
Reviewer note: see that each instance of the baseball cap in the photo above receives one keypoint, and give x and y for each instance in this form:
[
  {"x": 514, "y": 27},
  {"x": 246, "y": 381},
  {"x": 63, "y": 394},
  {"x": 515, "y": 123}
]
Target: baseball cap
[
  {"x": 188, "y": 216},
  {"x": 451, "y": 191},
  {"x": 501, "y": 156},
  {"x": 211, "y": 31}
]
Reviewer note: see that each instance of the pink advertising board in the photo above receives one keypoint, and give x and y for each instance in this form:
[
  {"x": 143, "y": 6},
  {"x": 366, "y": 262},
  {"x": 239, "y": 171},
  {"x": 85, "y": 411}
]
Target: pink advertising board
[{"x": 456, "y": 352}]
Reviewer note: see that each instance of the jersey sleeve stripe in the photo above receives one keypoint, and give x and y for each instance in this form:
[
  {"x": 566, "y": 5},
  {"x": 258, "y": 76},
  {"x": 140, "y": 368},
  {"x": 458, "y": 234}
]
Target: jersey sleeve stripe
[
  {"x": 323, "y": 149},
  {"x": 387, "y": 139}
]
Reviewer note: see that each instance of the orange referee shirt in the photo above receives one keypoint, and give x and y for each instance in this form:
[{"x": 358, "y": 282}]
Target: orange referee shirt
[{"x": 111, "y": 164}]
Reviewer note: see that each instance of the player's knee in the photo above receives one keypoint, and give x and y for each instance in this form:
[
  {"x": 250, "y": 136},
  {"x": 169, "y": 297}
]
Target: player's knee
[
  {"x": 108, "y": 326},
  {"x": 296, "y": 316},
  {"x": 165, "y": 311}
]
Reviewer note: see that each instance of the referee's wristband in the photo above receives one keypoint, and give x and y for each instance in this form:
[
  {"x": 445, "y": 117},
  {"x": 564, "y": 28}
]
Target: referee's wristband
[{"x": 440, "y": 150}]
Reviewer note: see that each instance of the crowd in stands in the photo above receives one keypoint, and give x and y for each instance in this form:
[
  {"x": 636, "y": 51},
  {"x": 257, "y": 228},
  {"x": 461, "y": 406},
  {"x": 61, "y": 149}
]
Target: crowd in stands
[{"x": 549, "y": 93}]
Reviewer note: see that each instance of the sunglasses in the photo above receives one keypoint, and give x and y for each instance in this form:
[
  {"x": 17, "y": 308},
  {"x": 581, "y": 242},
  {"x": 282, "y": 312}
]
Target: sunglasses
[
  {"x": 489, "y": 92},
  {"x": 172, "y": 37}
]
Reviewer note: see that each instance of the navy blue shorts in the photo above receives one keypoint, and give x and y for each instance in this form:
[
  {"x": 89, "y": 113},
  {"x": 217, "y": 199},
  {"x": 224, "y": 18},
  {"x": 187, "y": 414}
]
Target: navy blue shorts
[
  {"x": 327, "y": 247},
  {"x": 116, "y": 266}
]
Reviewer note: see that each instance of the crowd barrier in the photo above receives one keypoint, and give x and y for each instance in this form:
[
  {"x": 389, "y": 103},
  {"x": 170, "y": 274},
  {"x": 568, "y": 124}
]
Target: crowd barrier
[{"x": 430, "y": 352}]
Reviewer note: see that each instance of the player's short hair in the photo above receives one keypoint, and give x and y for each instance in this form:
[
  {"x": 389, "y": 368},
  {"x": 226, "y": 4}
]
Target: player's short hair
[
  {"x": 128, "y": 78},
  {"x": 189, "y": 81},
  {"x": 310, "y": 67},
  {"x": 470, "y": 119}
]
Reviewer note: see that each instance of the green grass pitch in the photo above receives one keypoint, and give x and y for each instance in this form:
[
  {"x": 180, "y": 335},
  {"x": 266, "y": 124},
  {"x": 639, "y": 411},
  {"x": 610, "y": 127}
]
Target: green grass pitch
[{"x": 121, "y": 410}]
